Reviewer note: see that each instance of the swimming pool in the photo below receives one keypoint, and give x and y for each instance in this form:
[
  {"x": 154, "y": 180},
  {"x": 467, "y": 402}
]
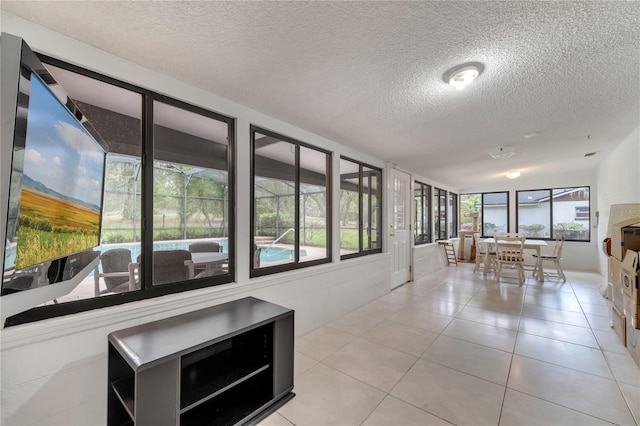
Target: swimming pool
[
  {"x": 267, "y": 254},
  {"x": 277, "y": 254}
]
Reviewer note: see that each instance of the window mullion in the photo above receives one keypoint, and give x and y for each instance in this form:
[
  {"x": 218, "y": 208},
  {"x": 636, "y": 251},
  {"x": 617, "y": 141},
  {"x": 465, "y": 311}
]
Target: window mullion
[
  {"x": 551, "y": 230},
  {"x": 360, "y": 207},
  {"x": 296, "y": 241},
  {"x": 146, "y": 269}
]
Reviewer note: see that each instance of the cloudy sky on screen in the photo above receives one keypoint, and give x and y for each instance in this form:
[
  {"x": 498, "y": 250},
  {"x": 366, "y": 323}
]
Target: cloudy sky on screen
[{"x": 59, "y": 152}]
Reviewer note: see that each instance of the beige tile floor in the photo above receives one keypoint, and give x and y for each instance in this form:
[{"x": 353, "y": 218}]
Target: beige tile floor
[{"x": 459, "y": 348}]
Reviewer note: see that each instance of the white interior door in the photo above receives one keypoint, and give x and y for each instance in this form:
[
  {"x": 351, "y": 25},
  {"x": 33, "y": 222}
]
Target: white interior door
[{"x": 400, "y": 230}]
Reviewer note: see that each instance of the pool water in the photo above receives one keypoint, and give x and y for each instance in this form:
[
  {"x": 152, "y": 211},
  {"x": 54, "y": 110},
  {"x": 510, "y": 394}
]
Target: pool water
[
  {"x": 276, "y": 254},
  {"x": 271, "y": 254}
]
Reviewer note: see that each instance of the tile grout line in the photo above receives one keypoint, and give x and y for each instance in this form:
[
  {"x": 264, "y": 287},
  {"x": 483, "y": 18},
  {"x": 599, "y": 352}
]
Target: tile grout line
[
  {"x": 606, "y": 360},
  {"x": 506, "y": 385},
  {"x": 464, "y": 276}
]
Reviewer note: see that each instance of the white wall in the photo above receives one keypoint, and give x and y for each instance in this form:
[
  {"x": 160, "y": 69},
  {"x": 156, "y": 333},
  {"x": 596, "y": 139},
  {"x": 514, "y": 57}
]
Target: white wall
[
  {"x": 427, "y": 259},
  {"x": 618, "y": 183},
  {"x": 54, "y": 371}
]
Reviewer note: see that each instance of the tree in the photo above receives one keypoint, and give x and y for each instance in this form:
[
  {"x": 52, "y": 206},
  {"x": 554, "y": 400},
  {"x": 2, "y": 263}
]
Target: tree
[
  {"x": 206, "y": 198},
  {"x": 348, "y": 206}
]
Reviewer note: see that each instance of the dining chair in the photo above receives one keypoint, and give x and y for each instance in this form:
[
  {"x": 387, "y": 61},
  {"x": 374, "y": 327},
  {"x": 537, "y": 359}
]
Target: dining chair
[
  {"x": 510, "y": 252},
  {"x": 485, "y": 255},
  {"x": 555, "y": 257},
  {"x": 510, "y": 234}
]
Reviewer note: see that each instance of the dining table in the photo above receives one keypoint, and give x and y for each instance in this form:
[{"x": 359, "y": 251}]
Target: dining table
[{"x": 528, "y": 245}]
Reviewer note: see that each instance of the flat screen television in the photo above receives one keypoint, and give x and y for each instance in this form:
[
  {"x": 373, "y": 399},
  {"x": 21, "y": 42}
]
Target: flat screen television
[{"x": 53, "y": 190}]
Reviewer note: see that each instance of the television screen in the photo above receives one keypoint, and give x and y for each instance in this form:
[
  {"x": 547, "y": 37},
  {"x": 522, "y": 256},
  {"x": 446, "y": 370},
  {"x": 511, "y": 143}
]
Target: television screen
[
  {"x": 52, "y": 176},
  {"x": 62, "y": 177}
]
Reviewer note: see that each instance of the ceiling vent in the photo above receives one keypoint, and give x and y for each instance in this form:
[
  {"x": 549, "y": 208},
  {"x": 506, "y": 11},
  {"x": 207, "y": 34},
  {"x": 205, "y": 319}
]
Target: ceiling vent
[
  {"x": 590, "y": 154},
  {"x": 500, "y": 152}
]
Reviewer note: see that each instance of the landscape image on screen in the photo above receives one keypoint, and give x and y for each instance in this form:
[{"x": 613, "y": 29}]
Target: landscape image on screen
[{"x": 62, "y": 180}]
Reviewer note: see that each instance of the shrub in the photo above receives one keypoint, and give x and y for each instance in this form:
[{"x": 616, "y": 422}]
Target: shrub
[
  {"x": 571, "y": 231},
  {"x": 568, "y": 226},
  {"x": 119, "y": 236},
  {"x": 492, "y": 228},
  {"x": 205, "y": 232},
  {"x": 534, "y": 230},
  {"x": 167, "y": 234},
  {"x": 267, "y": 226}
]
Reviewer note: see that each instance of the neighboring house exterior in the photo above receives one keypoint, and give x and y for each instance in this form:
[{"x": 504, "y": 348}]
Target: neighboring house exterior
[{"x": 568, "y": 209}]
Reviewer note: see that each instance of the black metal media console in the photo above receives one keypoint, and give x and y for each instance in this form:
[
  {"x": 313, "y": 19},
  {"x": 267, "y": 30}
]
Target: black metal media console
[{"x": 224, "y": 365}]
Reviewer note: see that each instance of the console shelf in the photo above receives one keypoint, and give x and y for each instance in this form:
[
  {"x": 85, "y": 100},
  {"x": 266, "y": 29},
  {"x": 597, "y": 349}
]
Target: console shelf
[
  {"x": 228, "y": 364},
  {"x": 124, "y": 391}
]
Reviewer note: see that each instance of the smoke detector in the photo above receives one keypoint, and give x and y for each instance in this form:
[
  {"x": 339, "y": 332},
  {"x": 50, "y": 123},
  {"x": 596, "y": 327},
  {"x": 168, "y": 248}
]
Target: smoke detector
[{"x": 500, "y": 152}]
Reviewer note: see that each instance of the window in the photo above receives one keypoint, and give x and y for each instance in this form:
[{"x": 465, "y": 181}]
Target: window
[
  {"x": 495, "y": 213},
  {"x": 547, "y": 213},
  {"x": 371, "y": 204},
  {"x": 190, "y": 194},
  {"x": 489, "y": 210},
  {"x": 453, "y": 211},
  {"x": 360, "y": 203},
  {"x": 470, "y": 211},
  {"x": 440, "y": 213},
  {"x": 291, "y": 208},
  {"x": 422, "y": 208},
  {"x": 534, "y": 213},
  {"x": 183, "y": 195}
]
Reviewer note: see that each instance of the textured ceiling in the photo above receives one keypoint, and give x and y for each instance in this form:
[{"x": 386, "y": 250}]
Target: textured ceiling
[{"x": 369, "y": 74}]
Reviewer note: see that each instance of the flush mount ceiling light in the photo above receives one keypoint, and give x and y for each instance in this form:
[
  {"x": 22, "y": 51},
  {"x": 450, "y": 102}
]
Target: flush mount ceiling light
[
  {"x": 460, "y": 76},
  {"x": 500, "y": 152},
  {"x": 513, "y": 175}
]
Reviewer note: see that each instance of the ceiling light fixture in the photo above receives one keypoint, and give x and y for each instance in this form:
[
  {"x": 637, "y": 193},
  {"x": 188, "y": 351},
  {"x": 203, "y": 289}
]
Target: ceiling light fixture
[
  {"x": 500, "y": 152},
  {"x": 513, "y": 175},
  {"x": 461, "y": 75}
]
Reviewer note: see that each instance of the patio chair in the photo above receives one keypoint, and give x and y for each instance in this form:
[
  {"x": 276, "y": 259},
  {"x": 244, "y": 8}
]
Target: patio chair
[
  {"x": 168, "y": 266},
  {"x": 26, "y": 279},
  {"x": 206, "y": 247},
  {"x": 555, "y": 257},
  {"x": 510, "y": 252},
  {"x": 115, "y": 271},
  {"x": 256, "y": 255}
]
